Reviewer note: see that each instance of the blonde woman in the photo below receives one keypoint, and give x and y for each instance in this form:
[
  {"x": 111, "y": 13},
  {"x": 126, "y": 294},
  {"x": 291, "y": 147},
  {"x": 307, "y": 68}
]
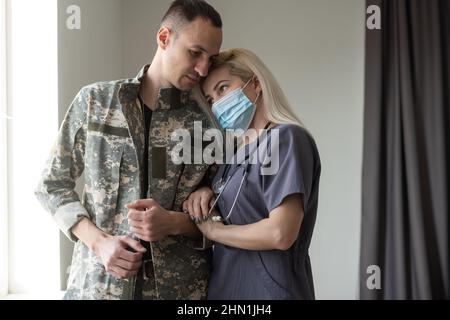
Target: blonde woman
[{"x": 262, "y": 223}]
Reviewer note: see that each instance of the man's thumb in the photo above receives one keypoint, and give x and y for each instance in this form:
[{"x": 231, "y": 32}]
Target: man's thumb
[
  {"x": 133, "y": 244},
  {"x": 141, "y": 205}
]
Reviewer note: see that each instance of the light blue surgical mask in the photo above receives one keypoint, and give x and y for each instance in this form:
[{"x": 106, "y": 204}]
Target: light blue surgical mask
[{"x": 235, "y": 110}]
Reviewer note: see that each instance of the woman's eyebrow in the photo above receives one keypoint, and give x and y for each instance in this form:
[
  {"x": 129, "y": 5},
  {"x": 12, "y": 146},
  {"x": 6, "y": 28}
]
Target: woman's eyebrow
[
  {"x": 218, "y": 84},
  {"x": 207, "y": 96}
]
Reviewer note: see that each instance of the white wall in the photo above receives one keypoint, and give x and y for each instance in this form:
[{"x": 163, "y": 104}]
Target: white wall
[{"x": 315, "y": 48}]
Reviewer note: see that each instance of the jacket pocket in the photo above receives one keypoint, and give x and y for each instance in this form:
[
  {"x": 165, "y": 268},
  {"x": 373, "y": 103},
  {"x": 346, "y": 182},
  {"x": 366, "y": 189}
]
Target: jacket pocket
[
  {"x": 104, "y": 152},
  {"x": 181, "y": 273}
]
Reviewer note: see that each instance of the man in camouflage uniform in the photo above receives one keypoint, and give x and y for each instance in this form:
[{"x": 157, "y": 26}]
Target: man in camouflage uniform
[{"x": 104, "y": 136}]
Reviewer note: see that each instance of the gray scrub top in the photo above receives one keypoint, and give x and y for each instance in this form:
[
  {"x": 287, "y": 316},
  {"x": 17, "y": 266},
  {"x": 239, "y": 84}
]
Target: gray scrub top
[{"x": 244, "y": 274}]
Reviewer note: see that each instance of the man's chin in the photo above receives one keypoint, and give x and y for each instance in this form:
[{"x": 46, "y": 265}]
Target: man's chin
[{"x": 187, "y": 85}]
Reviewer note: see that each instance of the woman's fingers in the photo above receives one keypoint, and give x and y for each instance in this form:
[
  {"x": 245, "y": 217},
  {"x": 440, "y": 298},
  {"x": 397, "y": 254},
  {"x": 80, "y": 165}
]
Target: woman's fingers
[
  {"x": 197, "y": 208},
  {"x": 204, "y": 203},
  {"x": 198, "y": 203},
  {"x": 190, "y": 208}
]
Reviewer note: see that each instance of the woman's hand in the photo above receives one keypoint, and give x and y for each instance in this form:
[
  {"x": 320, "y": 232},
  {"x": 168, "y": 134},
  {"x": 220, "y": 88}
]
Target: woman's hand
[
  {"x": 209, "y": 227},
  {"x": 198, "y": 203}
]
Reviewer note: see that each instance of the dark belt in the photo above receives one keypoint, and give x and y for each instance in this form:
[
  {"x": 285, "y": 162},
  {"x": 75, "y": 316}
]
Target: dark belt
[
  {"x": 148, "y": 254},
  {"x": 146, "y": 273}
]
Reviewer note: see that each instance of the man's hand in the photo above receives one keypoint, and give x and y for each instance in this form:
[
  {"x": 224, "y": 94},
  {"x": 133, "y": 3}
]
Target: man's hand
[
  {"x": 116, "y": 254},
  {"x": 113, "y": 251},
  {"x": 149, "y": 221},
  {"x": 198, "y": 203}
]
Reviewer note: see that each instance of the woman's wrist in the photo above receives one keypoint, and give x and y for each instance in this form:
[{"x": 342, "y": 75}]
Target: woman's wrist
[
  {"x": 180, "y": 224},
  {"x": 214, "y": 230}
]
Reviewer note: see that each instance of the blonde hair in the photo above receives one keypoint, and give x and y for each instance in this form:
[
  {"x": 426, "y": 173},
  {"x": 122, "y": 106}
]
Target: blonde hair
[{"x": 245, "y": 64}]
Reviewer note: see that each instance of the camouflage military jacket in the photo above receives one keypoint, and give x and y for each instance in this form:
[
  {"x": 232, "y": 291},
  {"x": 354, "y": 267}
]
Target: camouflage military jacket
[{"x": 103, "y": 136}]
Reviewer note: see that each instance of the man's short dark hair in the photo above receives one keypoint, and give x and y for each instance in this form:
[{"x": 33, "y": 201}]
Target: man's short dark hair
[{"x": 182, "y": 12}]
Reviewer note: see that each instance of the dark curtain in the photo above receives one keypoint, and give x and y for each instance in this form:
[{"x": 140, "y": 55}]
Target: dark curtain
[{"x": 406, "y": 166}]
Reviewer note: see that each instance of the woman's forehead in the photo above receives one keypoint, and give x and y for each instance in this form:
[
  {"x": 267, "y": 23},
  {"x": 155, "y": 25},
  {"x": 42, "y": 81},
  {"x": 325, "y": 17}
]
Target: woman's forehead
[{"x": 216, "y": 76}]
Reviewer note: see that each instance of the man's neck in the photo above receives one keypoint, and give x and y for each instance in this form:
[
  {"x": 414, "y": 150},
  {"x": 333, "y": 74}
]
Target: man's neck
[{"x": 152, "y": 84}]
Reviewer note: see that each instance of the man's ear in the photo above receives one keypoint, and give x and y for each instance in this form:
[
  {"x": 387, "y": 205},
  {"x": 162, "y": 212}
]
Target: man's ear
[{"x": 162, "y": 37}]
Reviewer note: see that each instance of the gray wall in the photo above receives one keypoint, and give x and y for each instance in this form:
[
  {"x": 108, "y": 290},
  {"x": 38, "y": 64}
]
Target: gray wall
[
  {"x": 93, "y": 53},
  {"x": 315, "y": 48},
  {"x": 85, "y": 56}
]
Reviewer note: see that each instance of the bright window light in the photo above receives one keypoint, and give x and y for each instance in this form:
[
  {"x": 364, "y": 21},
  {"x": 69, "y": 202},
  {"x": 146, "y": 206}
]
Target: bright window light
[
  {"x": 3, "y": 153},
  {"x": 32, "y": 104}
]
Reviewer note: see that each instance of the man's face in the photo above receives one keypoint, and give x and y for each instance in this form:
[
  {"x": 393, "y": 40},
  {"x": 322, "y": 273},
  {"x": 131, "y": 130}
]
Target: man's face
[{"x": 188, "y": 54}]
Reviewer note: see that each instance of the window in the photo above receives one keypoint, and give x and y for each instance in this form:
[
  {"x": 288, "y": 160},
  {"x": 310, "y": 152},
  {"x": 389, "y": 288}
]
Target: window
[
  {"x": 30, "y": 114},
  {"x": 3, "y": 156}
]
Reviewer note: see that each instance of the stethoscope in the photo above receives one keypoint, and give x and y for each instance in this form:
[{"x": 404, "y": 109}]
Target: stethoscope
[{"x": 220, "y": 186}]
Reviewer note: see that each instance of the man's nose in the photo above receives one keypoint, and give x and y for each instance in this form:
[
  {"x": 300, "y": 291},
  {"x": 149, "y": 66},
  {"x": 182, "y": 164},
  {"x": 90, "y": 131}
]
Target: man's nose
[{"x": 202, "y": 67}]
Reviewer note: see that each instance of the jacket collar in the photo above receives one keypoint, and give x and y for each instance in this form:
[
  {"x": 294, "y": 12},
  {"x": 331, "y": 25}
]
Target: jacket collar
[{"x": 168, "y": 97}]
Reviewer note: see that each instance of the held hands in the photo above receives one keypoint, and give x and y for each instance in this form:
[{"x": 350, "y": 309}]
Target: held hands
[
  {"x": 148, "y": 220},
  {"x": 210, "y": 225},
  {"x": 199, "y": 207},
  {"x": 151, "y": 222}
]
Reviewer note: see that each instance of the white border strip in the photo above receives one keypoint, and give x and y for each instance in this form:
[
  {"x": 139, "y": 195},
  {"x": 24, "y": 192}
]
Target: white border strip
[{"x": 4, "y": 279}]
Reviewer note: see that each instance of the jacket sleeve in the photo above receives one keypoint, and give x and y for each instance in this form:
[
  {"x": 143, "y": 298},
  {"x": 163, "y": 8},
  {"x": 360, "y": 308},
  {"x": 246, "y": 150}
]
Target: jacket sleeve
[{"x": 56, "y": 189}]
